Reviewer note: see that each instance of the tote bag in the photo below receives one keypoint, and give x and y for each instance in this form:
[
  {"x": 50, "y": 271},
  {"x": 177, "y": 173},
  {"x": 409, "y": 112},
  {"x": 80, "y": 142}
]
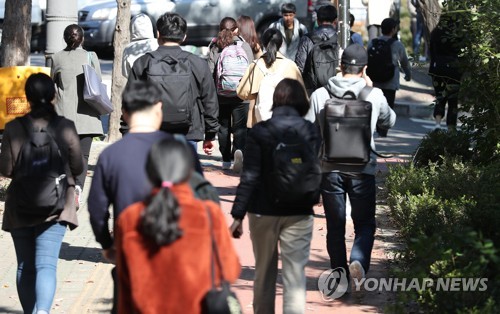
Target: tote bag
[{"x": 94, "y": 90}]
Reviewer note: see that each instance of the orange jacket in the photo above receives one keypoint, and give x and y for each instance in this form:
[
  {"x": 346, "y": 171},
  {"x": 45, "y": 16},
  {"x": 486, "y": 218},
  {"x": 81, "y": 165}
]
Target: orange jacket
[{"x": 175, "y": 278}]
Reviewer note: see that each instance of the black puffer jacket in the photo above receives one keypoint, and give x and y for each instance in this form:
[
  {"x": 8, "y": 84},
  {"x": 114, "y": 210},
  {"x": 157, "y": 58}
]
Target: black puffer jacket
[
  {"x": 306, "y": 44},
  {"x": 205, "y": 122},
  {"x": 251, "y": 194}
]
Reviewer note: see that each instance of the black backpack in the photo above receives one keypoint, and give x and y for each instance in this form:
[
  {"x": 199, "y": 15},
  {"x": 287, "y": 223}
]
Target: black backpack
[
  {"x": 347, "y": 129},
  {"x": 322, "y": 61},
  {"x": 380, "y": 67},
  {"x": 176, "y": 80},
  {"x": 295, "y": 174},
  {"x": 39, "y": 182}
]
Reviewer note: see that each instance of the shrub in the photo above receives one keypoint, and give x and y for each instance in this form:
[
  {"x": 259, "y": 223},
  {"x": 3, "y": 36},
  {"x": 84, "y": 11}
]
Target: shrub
[{"x": 439, "y": 143}]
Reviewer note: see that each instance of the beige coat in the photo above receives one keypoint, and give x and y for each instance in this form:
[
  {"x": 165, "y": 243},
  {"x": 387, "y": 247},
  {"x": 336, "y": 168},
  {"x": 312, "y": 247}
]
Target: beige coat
[
  {"x": 250, "y": 83},
  {"x": 13, "y": 138}
]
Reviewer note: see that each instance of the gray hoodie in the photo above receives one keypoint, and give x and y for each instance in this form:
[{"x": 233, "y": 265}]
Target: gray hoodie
[
  {"x": 382, "y": 115},
  {"x": 142, "y": 40}
]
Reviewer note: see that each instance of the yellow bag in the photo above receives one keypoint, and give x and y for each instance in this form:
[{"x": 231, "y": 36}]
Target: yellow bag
[{"x": 13, "y": 102}]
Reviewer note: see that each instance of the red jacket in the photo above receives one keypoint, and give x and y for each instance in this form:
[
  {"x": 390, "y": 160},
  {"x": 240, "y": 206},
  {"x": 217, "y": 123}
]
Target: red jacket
[{"x": 176, "y": 277}]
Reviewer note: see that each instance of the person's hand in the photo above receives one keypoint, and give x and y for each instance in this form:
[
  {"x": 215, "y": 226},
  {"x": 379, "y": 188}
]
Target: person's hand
[
  {"x": 407, "y": 78},
  {"x": 236, "y": 228},
  {"x": 208, "y": 147},
  {"x": 367, "y": 79},
  {"x": 110, "y": 254}
]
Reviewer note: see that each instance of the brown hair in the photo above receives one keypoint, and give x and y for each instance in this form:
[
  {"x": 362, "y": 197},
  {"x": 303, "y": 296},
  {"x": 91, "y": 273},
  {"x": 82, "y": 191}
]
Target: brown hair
[
  {"x": 226, "y": 29},
  {"x": 246, "y": 29},
  {"x": 291, "y": 93}
]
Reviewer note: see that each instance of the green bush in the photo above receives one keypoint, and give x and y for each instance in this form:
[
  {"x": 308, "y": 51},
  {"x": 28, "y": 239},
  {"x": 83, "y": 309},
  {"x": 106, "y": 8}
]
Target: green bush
[
  {"x": 439, "y": 143},
  {"x": 448, "y": 215}
]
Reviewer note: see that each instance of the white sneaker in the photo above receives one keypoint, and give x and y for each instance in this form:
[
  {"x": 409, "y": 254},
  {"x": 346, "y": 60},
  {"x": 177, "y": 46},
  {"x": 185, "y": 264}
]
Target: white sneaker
[
  {"x": 78, "y": 196},
  {"x": 238, "y": 161},
  {"x": 226, "y": 165},
  {"x": 357, "y": 272}
]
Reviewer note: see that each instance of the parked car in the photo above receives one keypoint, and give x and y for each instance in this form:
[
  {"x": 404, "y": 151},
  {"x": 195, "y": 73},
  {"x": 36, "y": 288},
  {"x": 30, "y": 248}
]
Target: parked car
[{"x": 203, "y": 17}]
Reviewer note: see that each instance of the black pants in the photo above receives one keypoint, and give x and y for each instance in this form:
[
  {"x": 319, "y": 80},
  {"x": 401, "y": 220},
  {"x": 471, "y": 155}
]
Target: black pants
[
  {"x": 390, "y": 95},
  {"x": 232, "y": 119},
  {"x": 85, "y": 144},
  {"x": 446, "y": 92}
]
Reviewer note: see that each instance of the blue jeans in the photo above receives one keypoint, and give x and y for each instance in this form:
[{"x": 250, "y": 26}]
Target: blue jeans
[
  {"x": 232, "y": 119},
  {"x": 361, "y": 191},
  {"x": 37, "y": 252}
]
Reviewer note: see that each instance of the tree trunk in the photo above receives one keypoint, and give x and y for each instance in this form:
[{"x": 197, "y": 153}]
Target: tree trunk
[
  {"x": 120, "y": 40},
  {"x": 431, "y": 11},
  {"x": 16, "y": 34}
]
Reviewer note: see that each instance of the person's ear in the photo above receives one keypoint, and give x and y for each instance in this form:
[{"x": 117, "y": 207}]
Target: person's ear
[{"x": 126, "y": 116}]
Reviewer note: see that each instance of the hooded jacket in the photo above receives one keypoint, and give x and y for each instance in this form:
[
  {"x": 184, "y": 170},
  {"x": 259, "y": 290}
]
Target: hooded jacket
[
  {"x": 142, "y": 40},
  {"x": 382, "y": 115},
  {"x": 299, "y": 30}
]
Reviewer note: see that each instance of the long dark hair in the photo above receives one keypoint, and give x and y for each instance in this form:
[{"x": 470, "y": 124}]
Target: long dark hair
[
  {"x": 40, "y": 92},
  {"x": 226, "y": 28},
  {"x": 169, "y": 163},
  {"x": 272, "y": 41},
  {"x": 246, "y": 28},
  {"x": 73, "y": 36}
]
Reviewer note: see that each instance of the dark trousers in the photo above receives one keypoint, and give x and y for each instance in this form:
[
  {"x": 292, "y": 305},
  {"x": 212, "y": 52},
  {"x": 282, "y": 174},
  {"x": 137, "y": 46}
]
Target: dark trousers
[
  {"x": 361, "y": 191},
  {"x": 85, "y": 144},
  {"x": 446, "y": 92},
  {"x": 232, "y": 119},
  {"x": 390, "y": 96}
]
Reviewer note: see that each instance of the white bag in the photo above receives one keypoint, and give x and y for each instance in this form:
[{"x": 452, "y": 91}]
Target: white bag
[{"x": 94, "y": 90}]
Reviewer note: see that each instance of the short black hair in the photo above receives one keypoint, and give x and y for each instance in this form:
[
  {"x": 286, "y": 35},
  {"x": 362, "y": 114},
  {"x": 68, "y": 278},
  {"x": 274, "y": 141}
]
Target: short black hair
[
  {"x": 171, "y": 27},
  {"x": 351, "y": 19},
  {"x": 140, "y": 95},
  {"x": 327, "y": 13},
  {"x": 288, "y": 8},
  {"x": 291, "y": 93},
  {"x": 351, "y": 69}
]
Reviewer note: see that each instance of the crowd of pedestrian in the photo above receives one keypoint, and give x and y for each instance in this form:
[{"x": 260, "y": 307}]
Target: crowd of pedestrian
[{"x": 270, "y": 102}]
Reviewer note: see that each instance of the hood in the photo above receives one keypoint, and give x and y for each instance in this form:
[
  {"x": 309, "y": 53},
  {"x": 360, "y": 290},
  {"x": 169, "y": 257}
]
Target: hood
[
  {"x": 141, "y": 27},
  {"x": 339, "y": 85}
]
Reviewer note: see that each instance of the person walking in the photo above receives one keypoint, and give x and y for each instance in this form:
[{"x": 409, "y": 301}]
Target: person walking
[
  {"x": 247, "y": 31},
  {"x": 189, "y": 98},
  {"x": 399, "y": 60},
  {"x": 445, "y": 70},
  {"x": 119, "y": 176},
  {"x": 233, "y": 111},
  {"x": 376, "y": 12},
  {"x": 164, "y": 243},
  {"x": 322, "y": 44},
  {"x": 142, "y": 40},
  {"x": 291, "y": 30},
  {"x": 272, "y": 226},
  {"x": 67, "y": 71},
  {"x": 38, "y": 236},
  {"x": 272, "y": 63},
  {"x": 355, "y": 181}
]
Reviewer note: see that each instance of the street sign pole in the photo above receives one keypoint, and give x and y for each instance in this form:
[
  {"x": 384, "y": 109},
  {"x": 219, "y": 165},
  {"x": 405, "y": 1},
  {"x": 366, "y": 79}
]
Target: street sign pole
[{"x": 60, "y": 14}]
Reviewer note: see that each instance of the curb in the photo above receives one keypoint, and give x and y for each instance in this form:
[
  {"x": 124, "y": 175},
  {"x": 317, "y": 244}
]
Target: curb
[{"x": 413, "y": 109}]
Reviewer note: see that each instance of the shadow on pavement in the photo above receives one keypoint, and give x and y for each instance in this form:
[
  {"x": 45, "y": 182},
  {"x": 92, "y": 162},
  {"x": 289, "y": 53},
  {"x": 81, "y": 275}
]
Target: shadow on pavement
[
  {"x": 71, "y": 253},
  {"x": 9, "y": 310}
]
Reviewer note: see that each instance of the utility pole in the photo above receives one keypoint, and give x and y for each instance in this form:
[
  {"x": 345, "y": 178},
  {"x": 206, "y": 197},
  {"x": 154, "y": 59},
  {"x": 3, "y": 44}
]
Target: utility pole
[
  {"x": 60, "y": 14},
  {"x": 343, "y": 24}
]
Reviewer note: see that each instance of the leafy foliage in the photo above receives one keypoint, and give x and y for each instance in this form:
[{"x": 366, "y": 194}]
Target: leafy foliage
[{"x": 479, "y": 29}]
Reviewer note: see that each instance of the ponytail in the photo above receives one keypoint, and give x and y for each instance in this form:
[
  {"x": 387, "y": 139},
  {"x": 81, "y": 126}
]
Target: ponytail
[{"x": 272, "y": 41}]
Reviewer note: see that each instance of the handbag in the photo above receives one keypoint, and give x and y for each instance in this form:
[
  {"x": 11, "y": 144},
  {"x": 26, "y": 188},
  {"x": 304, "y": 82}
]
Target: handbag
[
  {"x": 219, "y": 300},
  {"x": 94, "y": 90}
]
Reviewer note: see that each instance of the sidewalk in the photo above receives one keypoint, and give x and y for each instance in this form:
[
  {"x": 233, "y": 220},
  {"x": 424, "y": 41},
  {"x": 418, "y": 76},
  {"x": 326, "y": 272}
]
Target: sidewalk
[{"x": 84, "y": 282}]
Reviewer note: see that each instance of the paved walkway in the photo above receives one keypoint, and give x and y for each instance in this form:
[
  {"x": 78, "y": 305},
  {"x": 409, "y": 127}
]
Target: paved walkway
[{"x": 84, "y": 283}]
